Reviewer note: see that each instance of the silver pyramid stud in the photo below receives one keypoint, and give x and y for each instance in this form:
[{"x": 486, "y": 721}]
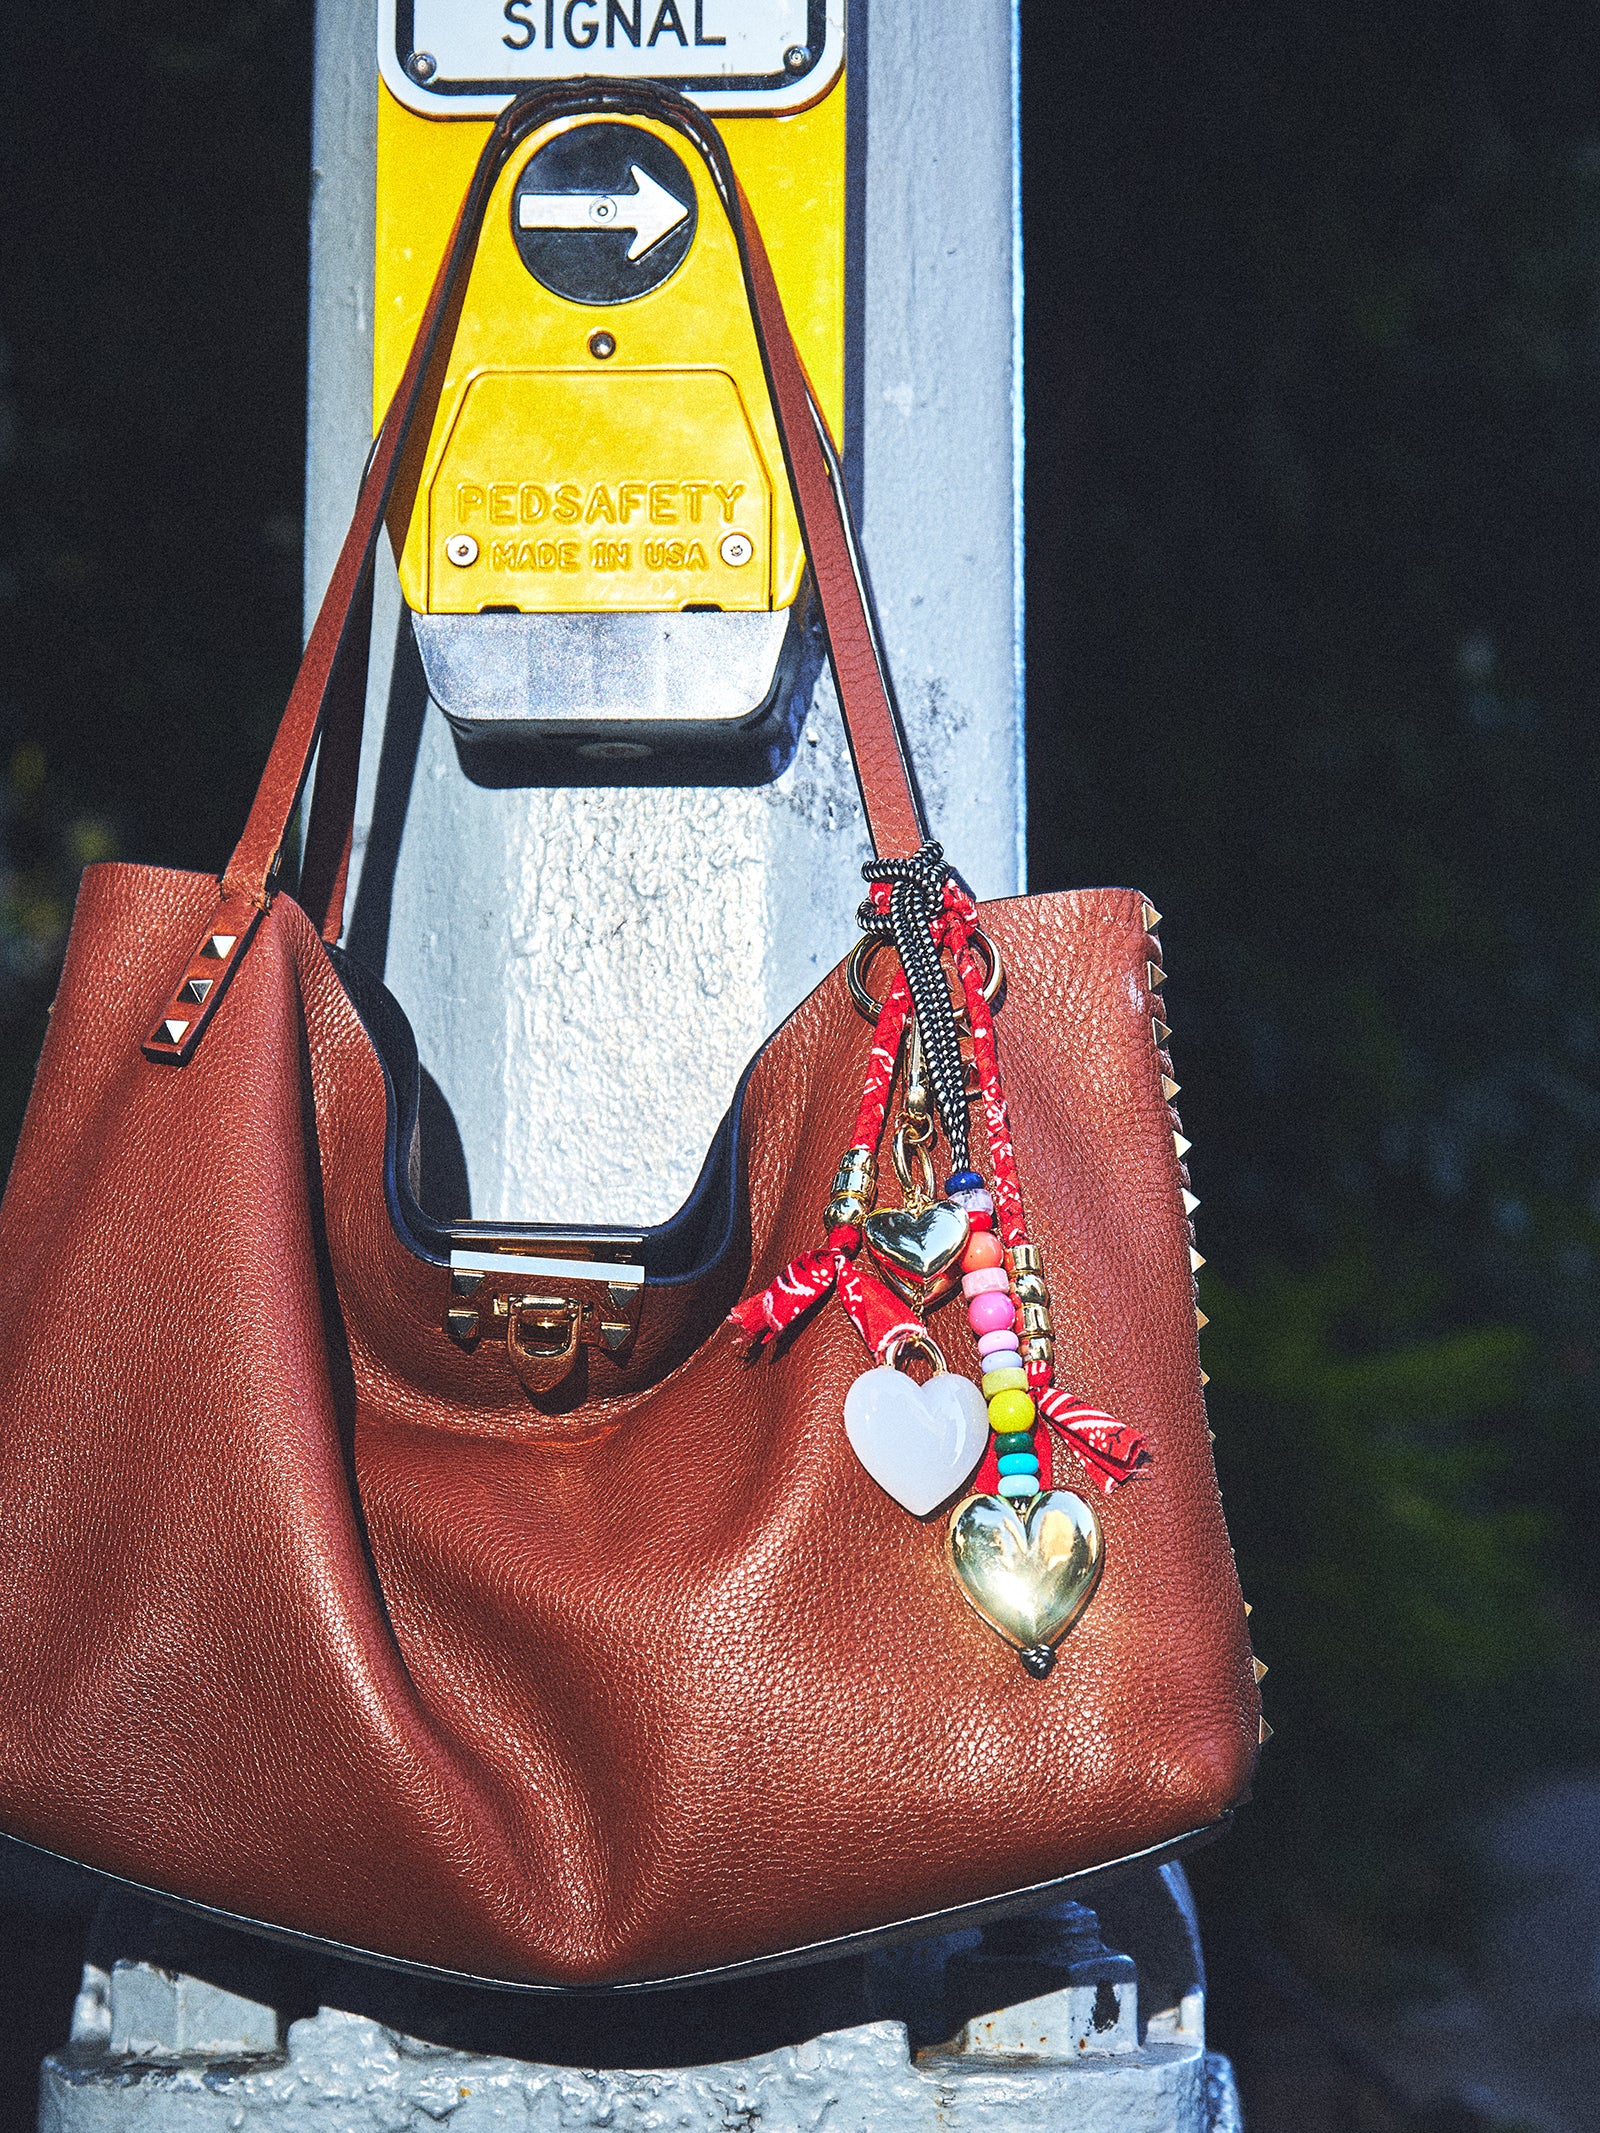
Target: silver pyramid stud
[
  {"x": 174, "y": 1029},
  {"x": 220, "y": 946},
  {"x": 1181, "y": 1145},
  {"x": 1190, "y": 1203},
  {"x": 194, "y": 990}
]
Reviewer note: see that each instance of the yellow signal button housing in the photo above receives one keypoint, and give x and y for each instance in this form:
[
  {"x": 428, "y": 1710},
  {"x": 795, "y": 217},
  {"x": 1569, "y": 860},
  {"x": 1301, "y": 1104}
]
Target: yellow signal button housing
[
  {"x": 556, "y": 481},
  {"x": 531, "y": 474}
]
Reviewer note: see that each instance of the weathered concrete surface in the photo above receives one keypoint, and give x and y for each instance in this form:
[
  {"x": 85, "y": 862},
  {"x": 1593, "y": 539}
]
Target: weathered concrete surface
[
  {"x": 1034, "y": 2023},
  {"x": 342, "y": 2073}
]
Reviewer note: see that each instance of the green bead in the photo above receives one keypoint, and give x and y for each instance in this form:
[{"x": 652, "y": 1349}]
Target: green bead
[
  {"x": 1004, "y": 1381},
  {"x": 1010, "y": 1411},
  {"x": 1020, "y": 1440}
]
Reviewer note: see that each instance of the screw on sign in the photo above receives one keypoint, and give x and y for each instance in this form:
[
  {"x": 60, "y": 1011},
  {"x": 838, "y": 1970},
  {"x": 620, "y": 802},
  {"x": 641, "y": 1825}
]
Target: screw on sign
[{"x": 603, "y": 214}]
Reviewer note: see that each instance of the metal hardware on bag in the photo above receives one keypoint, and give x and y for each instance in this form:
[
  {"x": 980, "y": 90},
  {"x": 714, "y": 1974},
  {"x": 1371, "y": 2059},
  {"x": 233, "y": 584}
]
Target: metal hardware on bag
[
  {"x": 854, "y": 1185},
  {"x": 546, "y": 1305},
  {"x": 859, "y": 961},
  {"x": 918, "y": 1102},
  {"x": 920, "y": 1342},
  {"x": 909, "y": 1144}
]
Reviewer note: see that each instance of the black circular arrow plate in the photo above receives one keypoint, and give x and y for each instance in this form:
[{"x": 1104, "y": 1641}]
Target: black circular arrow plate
[{"x": 594, "y": 195}]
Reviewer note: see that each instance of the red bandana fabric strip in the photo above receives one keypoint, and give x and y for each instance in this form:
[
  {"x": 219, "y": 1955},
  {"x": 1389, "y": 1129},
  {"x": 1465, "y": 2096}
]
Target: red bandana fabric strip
[
  {"x": 874, "y": 1311},
  {"x": 1109, "y": 1450}
]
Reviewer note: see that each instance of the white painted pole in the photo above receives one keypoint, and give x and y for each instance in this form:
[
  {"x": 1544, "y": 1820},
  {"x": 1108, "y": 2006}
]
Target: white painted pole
[{"x": 567, "y": 956}]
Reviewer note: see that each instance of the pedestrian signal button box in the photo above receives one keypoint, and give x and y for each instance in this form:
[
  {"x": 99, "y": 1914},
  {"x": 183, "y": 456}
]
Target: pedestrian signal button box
[{"x": 604, "y": 564}]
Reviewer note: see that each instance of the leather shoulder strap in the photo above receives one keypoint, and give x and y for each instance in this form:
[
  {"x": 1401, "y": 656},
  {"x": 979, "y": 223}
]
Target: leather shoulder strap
[{"x": 327, "y": 699}]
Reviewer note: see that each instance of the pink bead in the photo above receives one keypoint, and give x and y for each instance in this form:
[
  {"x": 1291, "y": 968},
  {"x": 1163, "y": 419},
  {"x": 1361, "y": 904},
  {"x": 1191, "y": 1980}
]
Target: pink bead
[
  {"x": 989, "y": 1312},
  {"x": 982, "y": 1279},
  {"x": 993, "y": 1343}
]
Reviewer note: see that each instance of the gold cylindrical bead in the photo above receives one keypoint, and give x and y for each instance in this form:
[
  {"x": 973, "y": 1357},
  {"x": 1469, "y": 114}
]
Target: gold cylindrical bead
[
  {"x": 1038, "y": 1348},
  {"x": 854, "y": 1185},
  {"x": 1023, "y": 1258},
  {"x": 1036, "y": 1318},
  {"x": 857, "y": 1172},
  {"x": 1030, "y": 1289}
]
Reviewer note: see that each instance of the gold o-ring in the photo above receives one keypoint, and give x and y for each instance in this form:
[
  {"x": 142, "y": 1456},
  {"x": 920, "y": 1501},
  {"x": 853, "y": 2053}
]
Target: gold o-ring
[
  {"x": 859, "y": 960},
  {"x": 916, "y": 1338}
]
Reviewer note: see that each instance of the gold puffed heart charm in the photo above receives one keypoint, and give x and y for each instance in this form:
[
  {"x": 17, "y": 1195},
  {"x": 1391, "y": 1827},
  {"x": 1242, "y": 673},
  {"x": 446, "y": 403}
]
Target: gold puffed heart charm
[
  {"x": 918, "y": 1248},
  {"x": 1030, "y": 1572}
]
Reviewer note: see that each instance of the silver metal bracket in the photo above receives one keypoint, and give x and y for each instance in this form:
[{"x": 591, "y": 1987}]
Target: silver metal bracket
[{"x": 629, "y": 695}]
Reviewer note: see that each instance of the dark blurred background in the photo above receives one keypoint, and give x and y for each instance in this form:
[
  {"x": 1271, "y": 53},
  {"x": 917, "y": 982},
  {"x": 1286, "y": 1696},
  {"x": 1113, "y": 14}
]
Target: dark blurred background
[{"x": 1313, "y": 358}]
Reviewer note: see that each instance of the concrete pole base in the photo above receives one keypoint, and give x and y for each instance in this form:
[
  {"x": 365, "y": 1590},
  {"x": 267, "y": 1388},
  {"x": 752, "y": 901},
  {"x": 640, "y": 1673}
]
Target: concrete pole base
[{"x": 956, "y": 2036}]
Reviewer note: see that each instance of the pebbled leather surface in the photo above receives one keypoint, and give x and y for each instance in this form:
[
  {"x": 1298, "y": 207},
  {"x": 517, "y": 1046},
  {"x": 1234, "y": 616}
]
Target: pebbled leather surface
[{"x": 315, "y": 1617}]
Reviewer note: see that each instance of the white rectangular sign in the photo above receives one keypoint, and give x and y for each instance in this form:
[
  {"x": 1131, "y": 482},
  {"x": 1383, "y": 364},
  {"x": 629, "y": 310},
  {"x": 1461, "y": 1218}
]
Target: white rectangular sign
[{"x": 468, "y": 58}]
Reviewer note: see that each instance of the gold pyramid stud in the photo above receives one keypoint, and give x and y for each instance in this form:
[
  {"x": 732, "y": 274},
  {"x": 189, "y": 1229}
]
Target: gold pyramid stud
[
  {"x": 1182, "y": 1145},
  {"x": 1152, "y": 917},
  {"x": 1195, "y": 1261},
  {"x": 1261, "y": 1671},
  {"x": 1155, "y": 976},
  {"x": 1249, "y": 1610},
  {"x": 1205, "y": 1378},
  {"x": 1190, "y": 1203},
  {"x": 174, "y": 1029},
  {"x": 1159, "y": 1029},
  {"x": 220, "y": 946},
  {"x": 1265, "y": 1734},
  {"x": 1169, "y": 1087},
  {"x": 194, "y": 990},
  {"x": 1211, "y": 1436},
  {"x": 1200, "y": 1318}
]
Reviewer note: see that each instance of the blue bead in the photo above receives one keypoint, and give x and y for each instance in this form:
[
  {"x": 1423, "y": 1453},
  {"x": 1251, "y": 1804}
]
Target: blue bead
[
  {"x": 963, "y": 1181},
  {"x": 1018, "y": 1463},
  {"x": 1020, "y": 1485}
]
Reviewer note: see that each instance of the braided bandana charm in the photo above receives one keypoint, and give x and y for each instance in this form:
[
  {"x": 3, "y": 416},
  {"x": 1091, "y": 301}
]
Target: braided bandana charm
[{"x": 1025, "y": 1553}]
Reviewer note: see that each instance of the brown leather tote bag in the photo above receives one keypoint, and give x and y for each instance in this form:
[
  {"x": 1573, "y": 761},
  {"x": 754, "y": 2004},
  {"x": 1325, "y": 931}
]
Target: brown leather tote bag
[{"x": 545, "y": 1637}]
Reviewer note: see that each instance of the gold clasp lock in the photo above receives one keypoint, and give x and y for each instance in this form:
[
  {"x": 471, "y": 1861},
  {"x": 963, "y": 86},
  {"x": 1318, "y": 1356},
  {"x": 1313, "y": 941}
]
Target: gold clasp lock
[
  {"x": 541, "y": 1337},
  {"x": 581, "y": 1301}
]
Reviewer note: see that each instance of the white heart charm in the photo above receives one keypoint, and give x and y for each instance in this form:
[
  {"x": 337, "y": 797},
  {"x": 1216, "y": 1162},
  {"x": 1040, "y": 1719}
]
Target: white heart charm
[{"x": 919, "y": 1442}]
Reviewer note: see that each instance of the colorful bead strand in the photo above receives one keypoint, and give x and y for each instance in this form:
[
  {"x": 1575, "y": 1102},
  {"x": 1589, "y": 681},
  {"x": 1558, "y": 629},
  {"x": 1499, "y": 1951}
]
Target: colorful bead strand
[{"x": 992, "y": 1315}]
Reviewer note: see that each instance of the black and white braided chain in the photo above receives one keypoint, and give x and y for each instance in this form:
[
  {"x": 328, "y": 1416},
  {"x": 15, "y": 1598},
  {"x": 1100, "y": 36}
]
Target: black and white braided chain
[{"x": 916, "y": 898}]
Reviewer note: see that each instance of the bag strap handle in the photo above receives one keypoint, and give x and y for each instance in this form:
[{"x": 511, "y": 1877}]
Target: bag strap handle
[
  {"x": 871, "y": 719},
  {"x": 328, "y": 697}
]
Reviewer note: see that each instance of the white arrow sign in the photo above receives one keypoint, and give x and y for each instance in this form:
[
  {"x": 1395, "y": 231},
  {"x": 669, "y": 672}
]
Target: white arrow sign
[{"x": 650, "y": 211}]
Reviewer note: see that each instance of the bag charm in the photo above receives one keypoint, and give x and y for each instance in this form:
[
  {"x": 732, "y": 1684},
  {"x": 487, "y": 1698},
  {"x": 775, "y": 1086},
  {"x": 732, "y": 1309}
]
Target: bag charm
[
  {"x": 917, "y": 1246},
  {"x": 1026, "y": 1555},
  {"x": 918, "y": 1442}
]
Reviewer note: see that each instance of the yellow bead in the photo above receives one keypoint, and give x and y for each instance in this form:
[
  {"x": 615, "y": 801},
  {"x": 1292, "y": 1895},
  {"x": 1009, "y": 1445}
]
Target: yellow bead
[{"x": 1011, "y": 1411}]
